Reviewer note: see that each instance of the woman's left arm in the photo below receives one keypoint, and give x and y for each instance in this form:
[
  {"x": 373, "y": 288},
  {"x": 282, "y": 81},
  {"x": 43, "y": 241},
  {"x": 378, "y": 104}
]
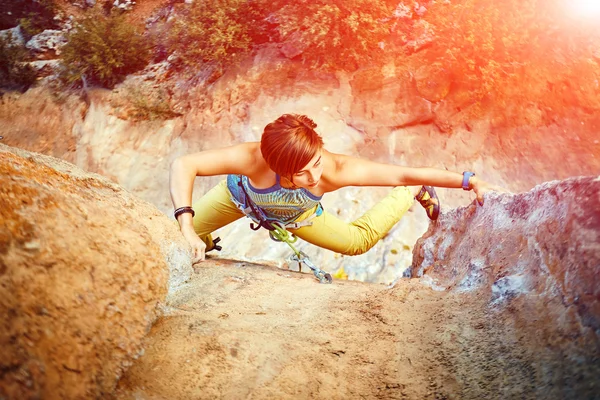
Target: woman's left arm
[{"x": 351, "y": 171}]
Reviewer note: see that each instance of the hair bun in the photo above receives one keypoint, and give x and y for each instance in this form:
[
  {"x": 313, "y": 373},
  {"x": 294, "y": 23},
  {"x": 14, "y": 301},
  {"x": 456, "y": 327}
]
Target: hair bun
[
  {"x": 296, "y": 120},
  {"x": 307, "y": 121}
]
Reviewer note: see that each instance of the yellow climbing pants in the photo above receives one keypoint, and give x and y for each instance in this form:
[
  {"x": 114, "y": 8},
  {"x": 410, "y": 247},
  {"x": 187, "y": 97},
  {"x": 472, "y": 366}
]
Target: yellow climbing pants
[{"x": 215, "y": 210}]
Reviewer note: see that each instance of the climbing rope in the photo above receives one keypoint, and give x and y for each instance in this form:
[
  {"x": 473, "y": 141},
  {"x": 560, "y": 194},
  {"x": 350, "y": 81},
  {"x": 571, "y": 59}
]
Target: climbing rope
[{"x": 278, "y": 233}]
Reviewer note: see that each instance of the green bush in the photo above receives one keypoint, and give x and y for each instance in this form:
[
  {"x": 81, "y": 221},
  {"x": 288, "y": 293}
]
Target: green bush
[
  {"x": 482, "y": 51},
  {"x": 39, "y": 18},
  {"x": 103, "y": 50},
  {"x": 215, "y": 32},
  {"x": 515, "y": 51},
  {"x": 15, "y": 73},
  {"x": 338, "y": 34}
]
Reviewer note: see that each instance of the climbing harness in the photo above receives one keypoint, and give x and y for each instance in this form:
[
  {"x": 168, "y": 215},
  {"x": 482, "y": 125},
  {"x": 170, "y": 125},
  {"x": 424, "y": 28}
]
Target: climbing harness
[{"x": 279, "y": 233}]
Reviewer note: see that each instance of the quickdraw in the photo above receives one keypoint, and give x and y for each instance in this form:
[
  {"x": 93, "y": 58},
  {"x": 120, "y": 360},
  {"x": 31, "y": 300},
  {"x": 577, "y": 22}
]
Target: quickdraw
[{"x": 278, "y": 233}]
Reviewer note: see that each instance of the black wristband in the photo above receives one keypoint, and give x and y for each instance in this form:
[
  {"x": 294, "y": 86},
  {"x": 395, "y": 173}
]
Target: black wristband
[{"x": 183, "y": 210}]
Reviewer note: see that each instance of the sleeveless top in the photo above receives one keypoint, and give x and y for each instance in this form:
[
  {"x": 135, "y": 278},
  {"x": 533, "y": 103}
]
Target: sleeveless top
[{"x": 277, "y": 202}]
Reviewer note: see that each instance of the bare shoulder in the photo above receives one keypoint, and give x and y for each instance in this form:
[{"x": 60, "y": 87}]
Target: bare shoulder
[
  {"x": 249, "y": 152},
  {"x": 243, "y": 158},
  {"x": 335, "y": 169},
  {"x": 253, "y": 157},
  {"x": 247, "y": 157},
  {"x": 338, "y": 162}
]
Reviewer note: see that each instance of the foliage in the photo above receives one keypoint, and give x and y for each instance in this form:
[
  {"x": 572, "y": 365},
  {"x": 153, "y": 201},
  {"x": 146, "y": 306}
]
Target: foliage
[
  {"x": 339, "y": 34},
  {"x": 513, "y": 50},
  {"x": 483, "y": 50},
  {"x": 15, "y": 73},
  {"x": 41, "y": 11},
  {"x": 39, "y": 18},
  {"x": 215, "y": 32},
  {"x": 104, "y": 50},
  {"x": 330, "y": 34}
]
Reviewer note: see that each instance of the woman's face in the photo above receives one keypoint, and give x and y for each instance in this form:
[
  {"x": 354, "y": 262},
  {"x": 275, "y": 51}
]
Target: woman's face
[{"x": 309, "y": 176}]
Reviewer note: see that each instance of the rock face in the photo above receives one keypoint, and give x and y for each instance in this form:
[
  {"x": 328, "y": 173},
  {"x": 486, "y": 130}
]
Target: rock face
[
  {"x": 83, "y": 267},
  {"x": 413, "y": 117},
  {"x": 15, "y": 35},
  {"x": 47, "y": 40},
  {"x": 544, "y": 244}
]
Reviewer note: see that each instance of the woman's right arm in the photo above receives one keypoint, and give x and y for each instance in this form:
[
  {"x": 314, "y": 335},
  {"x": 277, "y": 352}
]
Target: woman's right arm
[{"x": 238, "y": 159}]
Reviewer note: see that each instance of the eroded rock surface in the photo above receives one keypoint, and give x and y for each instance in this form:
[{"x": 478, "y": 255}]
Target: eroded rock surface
[
  {"x": 544, "y": 242},
  {"x": 83, "y": 268},
  {"x": 82, "y": 272},
  {"x": 535, "y": 255}
]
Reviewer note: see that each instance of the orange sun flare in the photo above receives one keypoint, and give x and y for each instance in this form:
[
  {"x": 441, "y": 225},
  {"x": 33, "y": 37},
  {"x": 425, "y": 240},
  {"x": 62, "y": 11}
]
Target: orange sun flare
[{"x": 585, "y": 8}]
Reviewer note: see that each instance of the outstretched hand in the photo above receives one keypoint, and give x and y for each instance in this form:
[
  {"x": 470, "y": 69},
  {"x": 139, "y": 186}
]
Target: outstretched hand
[{"x": 482, "y": 187}]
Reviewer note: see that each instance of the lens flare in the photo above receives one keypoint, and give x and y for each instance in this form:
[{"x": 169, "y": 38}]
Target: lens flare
[{"x": 585, "y": 8}]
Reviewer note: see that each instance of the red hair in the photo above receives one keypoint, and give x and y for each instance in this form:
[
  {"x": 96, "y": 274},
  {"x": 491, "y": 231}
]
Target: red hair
[{"x": 289, "y": 143}]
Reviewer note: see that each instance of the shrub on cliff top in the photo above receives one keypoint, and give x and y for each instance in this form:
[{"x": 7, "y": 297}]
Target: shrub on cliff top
[
  {"x": 217, "y": 32},
  {"x": 104, "y": 50},
  {"x": 516, "y": 51},
  {"x": 39, "y": 17},
  {"x": 336, "y": 35},
  {"x": 15, "y": 73}
]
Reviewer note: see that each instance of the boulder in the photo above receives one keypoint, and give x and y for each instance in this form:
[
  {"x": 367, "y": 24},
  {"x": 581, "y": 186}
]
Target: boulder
[
  {"x": 433, "y": 82},
  {"x": 422, "y": 35},
  {"x": 84, "y": 267},
  {"x": 124, "y": 5},
  {"x": 403, "y": 11},
  {"x": 47, "y": 40},
  {"x": 46, "y": 67},
  {"x": 293, "y": 46},
  {"x": 13, "y": 35},
  {"x": 544, "y": 244}
]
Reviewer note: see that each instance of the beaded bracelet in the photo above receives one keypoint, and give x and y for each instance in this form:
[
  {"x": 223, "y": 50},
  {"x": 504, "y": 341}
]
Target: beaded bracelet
[{"x": 183, "y": 210}]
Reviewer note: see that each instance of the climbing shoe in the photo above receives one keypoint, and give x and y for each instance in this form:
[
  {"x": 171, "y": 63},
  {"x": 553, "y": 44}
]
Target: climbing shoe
[{"x": 430, "y": 202}]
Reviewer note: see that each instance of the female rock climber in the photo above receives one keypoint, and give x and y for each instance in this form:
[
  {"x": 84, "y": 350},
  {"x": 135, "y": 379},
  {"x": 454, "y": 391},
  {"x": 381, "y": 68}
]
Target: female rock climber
[{"x": 284, "y": 177}]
